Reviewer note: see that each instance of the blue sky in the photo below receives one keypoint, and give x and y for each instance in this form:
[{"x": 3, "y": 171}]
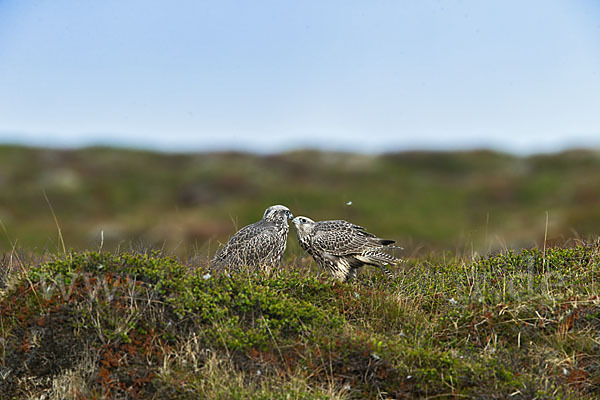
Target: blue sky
[{"x": 519, "y": 76}]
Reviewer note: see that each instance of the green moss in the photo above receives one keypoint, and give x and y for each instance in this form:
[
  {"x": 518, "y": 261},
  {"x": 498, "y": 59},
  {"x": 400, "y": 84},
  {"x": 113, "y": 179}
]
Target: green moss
[{"x": 148, "y": 325}]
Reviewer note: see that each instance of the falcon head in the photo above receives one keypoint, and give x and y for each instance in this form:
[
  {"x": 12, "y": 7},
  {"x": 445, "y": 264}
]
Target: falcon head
[
  {"x": 277, "y": 213},
  {"x": 303, "y": 224}
]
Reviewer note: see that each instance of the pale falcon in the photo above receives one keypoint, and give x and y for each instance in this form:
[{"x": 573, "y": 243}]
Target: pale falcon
[
  {"x": 343, "y": 247},
  {"x": 260, "y": 244}
]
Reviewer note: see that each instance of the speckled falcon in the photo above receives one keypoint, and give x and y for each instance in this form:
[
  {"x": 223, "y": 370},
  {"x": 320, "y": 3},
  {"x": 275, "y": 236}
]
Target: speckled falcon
[
  {"x": 260, "y": 244},
  {"x": 342, "y": 247}
]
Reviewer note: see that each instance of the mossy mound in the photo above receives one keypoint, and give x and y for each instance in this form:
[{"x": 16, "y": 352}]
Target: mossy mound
[{"x": 99, "y": 325}]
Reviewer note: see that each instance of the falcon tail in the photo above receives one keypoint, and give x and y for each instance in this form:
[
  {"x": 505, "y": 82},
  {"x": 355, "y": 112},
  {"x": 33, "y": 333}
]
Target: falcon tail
[
  {"x": 387, "y": 272},
  {"x": 379, "y": 258}
]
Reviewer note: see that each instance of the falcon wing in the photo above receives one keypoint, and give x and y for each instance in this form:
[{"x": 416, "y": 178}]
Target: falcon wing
[
  {"x": 342, "y": 238},
  {"x": 252, "y": 243}
]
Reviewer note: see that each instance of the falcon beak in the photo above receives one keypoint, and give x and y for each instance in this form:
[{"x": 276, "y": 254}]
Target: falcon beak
[{"x": 290, "y": 215}]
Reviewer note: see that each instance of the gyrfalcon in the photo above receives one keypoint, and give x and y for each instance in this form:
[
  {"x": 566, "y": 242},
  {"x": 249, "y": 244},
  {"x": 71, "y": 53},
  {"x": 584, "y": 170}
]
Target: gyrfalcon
[
  {"x": 260, "y": 244},
  {"x": 343, "y": 247}
]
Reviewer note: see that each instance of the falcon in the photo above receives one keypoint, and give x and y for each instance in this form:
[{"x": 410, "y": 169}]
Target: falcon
[
  {"x": 260, "y": 244},
  {"x": 343, "y": 247}
]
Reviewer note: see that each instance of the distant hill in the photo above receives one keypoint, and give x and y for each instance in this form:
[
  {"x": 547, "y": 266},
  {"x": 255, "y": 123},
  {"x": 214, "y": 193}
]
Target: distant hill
[{"x": 188, "y": 203}]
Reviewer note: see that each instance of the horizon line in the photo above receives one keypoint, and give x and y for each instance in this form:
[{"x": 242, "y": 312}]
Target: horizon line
[
  {"x": 269, "y": 144},
  {"x": 295, "y": 149}
]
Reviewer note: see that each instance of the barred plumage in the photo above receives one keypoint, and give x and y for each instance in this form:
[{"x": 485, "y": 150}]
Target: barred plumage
[
  {"x": 260, "y": 244},
  {"x": 343, "y": 247}
]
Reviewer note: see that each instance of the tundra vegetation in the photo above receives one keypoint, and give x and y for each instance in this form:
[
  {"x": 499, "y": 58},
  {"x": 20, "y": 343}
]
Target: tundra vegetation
[{"x": 98, "y": 325}]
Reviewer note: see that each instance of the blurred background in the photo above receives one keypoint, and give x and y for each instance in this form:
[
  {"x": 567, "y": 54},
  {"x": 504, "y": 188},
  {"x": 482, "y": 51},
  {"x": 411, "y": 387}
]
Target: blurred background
[{"x": 457, "y": 126}]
